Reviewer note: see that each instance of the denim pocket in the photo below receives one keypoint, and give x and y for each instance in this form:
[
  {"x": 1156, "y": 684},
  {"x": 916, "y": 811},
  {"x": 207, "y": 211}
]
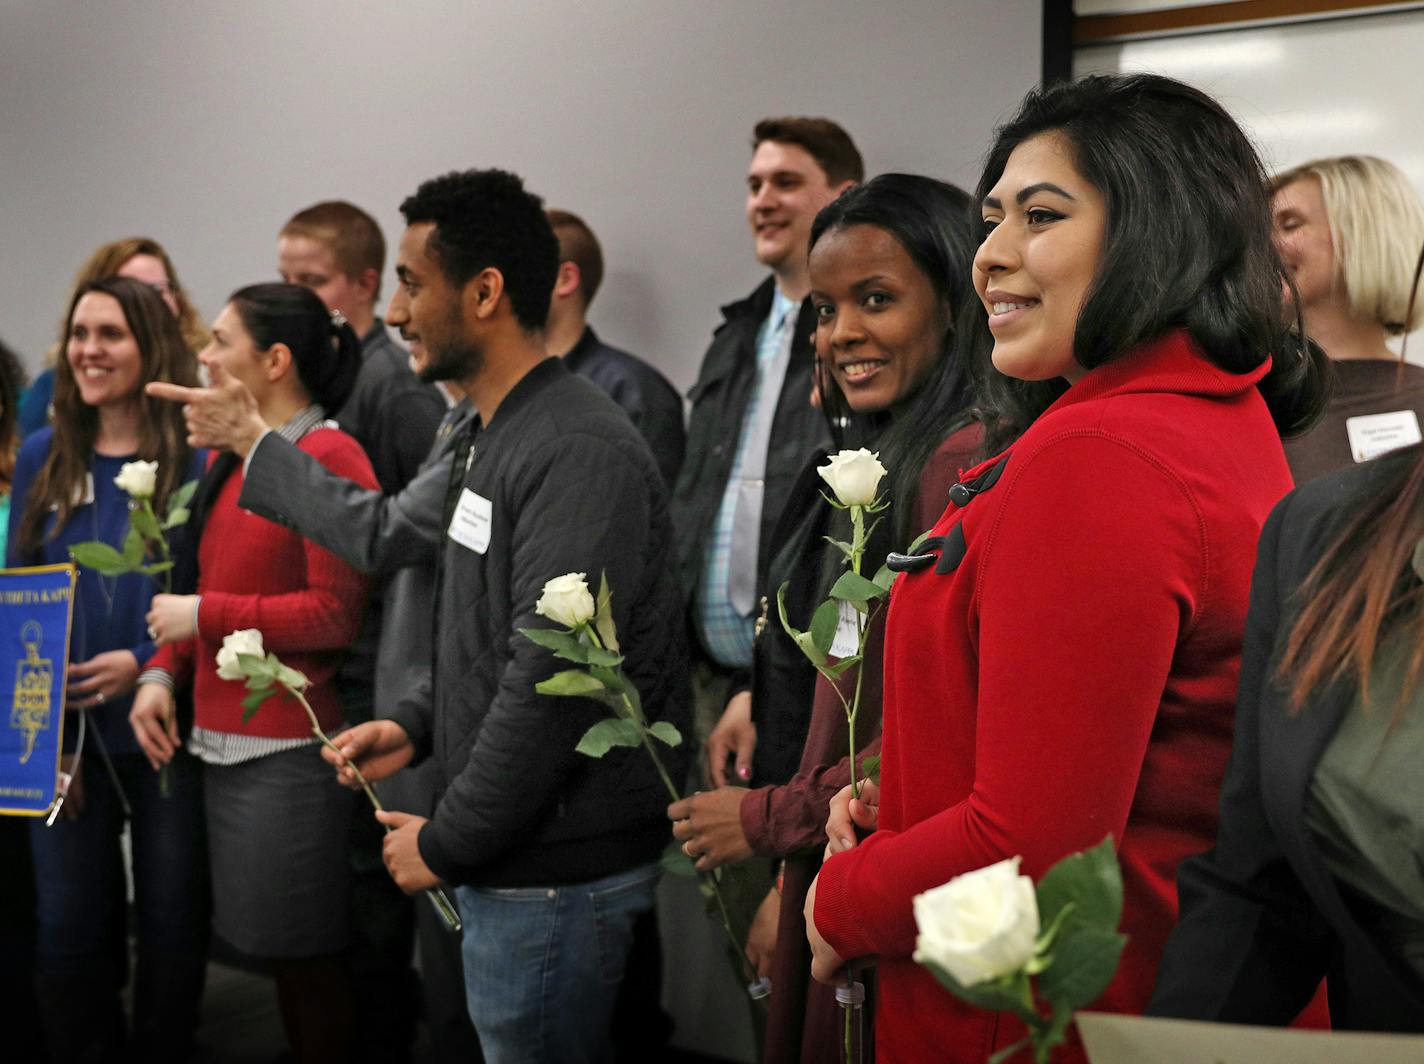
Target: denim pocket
[{"x": 615, "y": 908}]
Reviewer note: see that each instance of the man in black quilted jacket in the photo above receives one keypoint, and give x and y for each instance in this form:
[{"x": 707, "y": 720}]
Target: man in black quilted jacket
[{"x": 554, "y": 854}]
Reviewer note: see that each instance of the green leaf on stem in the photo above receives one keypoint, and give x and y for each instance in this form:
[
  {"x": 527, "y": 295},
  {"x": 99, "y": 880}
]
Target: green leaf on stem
[
  {"x": 842, "y": 665},
  {"x": 603, "y": 615},
  {"x": 823, "y": 627},
  {"x": 257, "y": 667},
  {"x": 1083, "y": 963},
  {"x": 676, "y": 862},
  {"x": 840, "y": 545},
  {"x": 870, "y": 769},
  {"x": 288, "y": 676},
  {"x": 1091, "y": 880},
  {"x": 884, "y": 577},
  {"x": 253, "y": 700},
  {"x": 155, "y": 568},
  {"x": 141, "y": 517},
  {"x": 607, "y": 734},
  {"x": 998, "y": 995},
  {"x": 666, "y": 731},
  {"x": 564, "y": 644},
  {"x": 1009, "y": 1052},
  {"x": 805, "y": 640},
  {"x": 133, "y": 548},
  {"x": 100, "y": 557},
  {"x": 574, "y": 683},
  {"x": 599, "y": 656},
  {"x": 181, "y": 497},
  {"x": 856, "y": 589},
  {"x": 1054, "y": 1034},
  {"x": 177, "y": 515}
]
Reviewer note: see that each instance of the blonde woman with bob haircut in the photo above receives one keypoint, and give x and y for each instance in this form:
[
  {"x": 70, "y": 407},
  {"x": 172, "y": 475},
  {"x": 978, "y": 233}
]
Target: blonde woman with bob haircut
[{"x": 1350, "y": 230}]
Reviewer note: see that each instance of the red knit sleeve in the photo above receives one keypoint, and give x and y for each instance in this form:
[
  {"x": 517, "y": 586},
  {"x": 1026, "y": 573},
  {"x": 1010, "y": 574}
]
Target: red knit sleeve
[
  {"x": 1091, "y": 571},
  {"x": 177, "y": 660},
  {"x": 324, "y": 614}
]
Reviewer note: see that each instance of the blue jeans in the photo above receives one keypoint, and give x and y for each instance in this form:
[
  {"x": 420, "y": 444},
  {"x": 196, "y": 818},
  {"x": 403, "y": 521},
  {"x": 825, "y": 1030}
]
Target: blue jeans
[
  {"x": 543, "y": 965},
  {"x": 82, "y": 948}
]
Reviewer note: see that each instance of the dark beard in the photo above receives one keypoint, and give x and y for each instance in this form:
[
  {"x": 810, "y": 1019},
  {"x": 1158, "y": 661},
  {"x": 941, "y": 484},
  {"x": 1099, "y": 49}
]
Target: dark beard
[
  {"x": 462, "y": 359},
  {"x": 457, "y": 362}
]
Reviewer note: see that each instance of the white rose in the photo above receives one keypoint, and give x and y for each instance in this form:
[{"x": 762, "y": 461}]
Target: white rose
[
  {"x": 980, "y": 925},
  {"x": 566, "y": 600},
  {"x": 243, "y": 641},
  {"x": 854, "y": 476},
  {"x": 139, "y": 479}
]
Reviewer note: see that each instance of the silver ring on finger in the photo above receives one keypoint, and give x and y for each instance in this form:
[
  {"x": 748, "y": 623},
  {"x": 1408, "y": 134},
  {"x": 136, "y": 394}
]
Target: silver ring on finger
[
  {"x": 687, "y": 849},
  {"x": 99, "y": 698},
  {"x": 152, "y": 634}
]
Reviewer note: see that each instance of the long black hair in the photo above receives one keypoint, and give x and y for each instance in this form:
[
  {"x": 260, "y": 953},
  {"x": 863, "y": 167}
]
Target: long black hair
[
  {"x": 938, "y": 226},
  {"x": 1188, "y": 239},
  {"x": 325, "y": 349}
]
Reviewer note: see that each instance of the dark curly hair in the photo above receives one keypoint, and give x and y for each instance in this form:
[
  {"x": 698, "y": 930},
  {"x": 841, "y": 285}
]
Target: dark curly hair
[{"x": 487, "y": 219}]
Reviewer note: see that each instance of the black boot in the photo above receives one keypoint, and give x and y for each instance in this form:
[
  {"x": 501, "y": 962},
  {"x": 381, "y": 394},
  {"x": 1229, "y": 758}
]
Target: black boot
[{"x": 82, "y": 1017}]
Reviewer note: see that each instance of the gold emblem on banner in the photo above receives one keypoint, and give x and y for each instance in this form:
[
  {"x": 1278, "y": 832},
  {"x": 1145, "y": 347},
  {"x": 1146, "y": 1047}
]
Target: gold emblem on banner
[{"x": 34, "y": 676}]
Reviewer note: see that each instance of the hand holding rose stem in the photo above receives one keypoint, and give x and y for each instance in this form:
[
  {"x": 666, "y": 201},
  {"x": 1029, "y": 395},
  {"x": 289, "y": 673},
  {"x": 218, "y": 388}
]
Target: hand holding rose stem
[
  {"x": 145, "y": 544},
  {"x": 242, "y": 657},
  {"x": 854, "y": 478},
  {"x": 589, "y": 638}
]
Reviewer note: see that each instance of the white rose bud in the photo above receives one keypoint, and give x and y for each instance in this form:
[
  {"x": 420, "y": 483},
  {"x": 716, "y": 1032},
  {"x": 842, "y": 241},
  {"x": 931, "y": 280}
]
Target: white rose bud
[
  {"x": 566, "y": 600},
  {"x": 243, "y": 641},
  {"x": 854, "y": 476},
  {"x": 139, "y": 479},
  {"x": 980, "y": 925}
]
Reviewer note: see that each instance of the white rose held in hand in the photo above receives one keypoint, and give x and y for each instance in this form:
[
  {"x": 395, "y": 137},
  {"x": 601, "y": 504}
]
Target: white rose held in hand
[
  {"x": 854, "y": 476},
  {"x": 243, "y": 641},
  {"x": 978, "y": 926},
  {"x": 566, "y": 600},
  {"x": 139, "y": 479}
]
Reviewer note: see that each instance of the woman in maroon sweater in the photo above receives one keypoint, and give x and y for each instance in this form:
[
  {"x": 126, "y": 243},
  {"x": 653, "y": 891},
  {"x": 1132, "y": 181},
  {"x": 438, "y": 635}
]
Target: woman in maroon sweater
[
  {"x": 900, "y": 343},
  {"x": 1061, "y": 663},
  {"x": 277, "y": 822}
]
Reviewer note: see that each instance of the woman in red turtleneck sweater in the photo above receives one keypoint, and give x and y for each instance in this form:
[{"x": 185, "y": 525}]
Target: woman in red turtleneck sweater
[{"x": 1062, "y": 663}]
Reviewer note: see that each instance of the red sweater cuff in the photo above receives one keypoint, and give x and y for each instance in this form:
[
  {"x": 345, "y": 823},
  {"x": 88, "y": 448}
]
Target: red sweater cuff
[
  {"x": 755, "y": 813},
  {"x": 836, "y": 913}
]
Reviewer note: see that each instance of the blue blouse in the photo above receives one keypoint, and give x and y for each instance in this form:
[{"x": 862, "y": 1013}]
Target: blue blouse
[{"x": 109, "y": 611}]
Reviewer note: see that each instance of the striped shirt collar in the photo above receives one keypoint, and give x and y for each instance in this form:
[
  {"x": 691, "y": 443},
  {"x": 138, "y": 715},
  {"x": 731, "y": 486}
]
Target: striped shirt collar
[{"x": 302, "y": 422}]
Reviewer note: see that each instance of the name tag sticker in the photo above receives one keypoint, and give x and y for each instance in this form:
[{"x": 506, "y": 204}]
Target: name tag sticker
[
  {"x": 847, "y": 640},
  {"x": 470, "y": 525},
  {"x": 1372, "y": 435}
]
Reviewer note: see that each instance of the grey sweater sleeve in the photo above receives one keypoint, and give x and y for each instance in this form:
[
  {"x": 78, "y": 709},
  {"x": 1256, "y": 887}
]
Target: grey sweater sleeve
[{"x": 375, "y": 533}]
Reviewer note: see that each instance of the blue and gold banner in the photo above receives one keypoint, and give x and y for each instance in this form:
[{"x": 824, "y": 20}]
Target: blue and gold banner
[{"x": 36, "y": 608}]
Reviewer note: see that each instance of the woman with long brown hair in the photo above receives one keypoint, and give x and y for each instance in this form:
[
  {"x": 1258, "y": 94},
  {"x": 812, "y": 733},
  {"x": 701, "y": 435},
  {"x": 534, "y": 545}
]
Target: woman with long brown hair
[
  {"x": 119, "y": 336},
  {"x": 1318, "y": 869},
  {"x": 143, "y": 259}
]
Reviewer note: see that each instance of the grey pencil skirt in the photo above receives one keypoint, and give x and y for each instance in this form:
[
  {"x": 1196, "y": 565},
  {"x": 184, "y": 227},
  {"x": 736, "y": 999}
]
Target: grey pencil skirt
[{"x": 277, "y": 839}]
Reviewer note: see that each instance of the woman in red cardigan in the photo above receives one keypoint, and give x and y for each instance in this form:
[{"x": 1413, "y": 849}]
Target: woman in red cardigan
[
  {"x": 1061, "y": 661},
  {"x": 277, "y": 822}
]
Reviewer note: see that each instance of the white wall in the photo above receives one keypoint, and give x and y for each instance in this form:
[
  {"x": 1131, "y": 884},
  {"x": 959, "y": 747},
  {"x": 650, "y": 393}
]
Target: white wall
[
  {"x": 206, "y": 125},
  {"x": 1347, "y": 86}
]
